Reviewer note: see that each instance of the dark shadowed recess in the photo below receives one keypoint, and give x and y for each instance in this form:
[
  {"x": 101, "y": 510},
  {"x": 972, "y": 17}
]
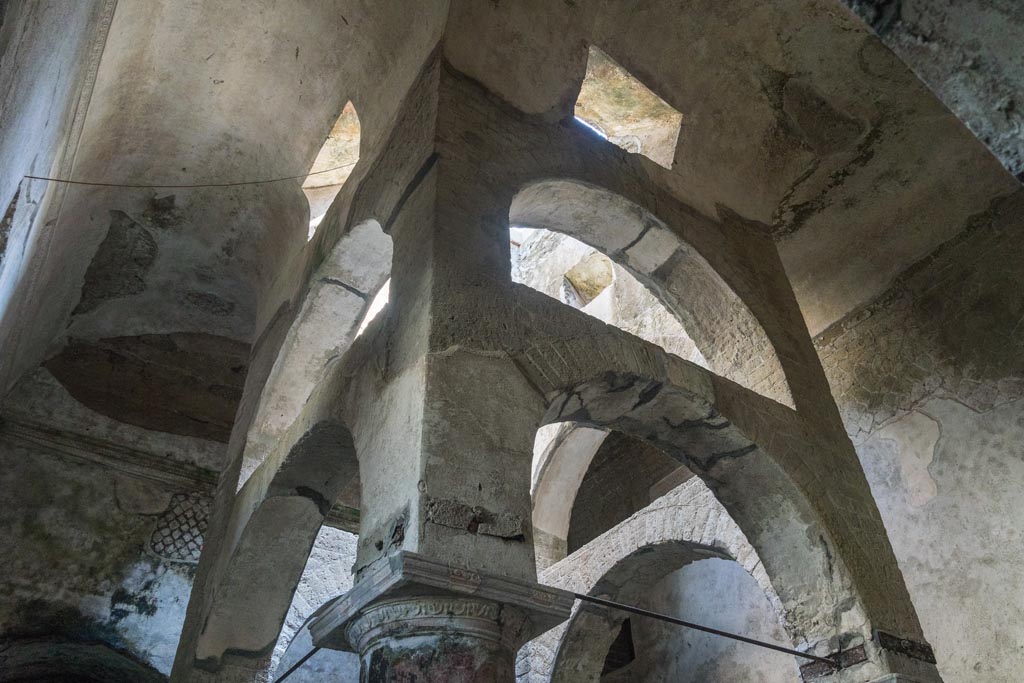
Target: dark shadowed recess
[
  {"x": 181, "y": 383},
  {"x": 55, "y": 660}
]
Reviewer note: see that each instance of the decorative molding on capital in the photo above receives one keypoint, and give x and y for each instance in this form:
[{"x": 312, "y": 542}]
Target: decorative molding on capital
[
  {"x": 426, "y": 595},
  {"x": 425, "y": 615}
]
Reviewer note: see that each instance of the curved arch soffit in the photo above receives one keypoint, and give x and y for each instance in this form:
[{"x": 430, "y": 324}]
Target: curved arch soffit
[
  {"x": 563, "y": 464},
  {"x": 340, "y": 294},
  {"x": 675, "y": 410},
  {"x": 289, "y": 498},
  {"x": 592, "y": 629},
  {"x": 722, "y": 326}
]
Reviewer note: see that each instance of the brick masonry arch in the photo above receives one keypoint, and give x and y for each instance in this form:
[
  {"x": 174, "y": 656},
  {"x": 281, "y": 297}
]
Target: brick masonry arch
[{"x": 685, "y": 525}]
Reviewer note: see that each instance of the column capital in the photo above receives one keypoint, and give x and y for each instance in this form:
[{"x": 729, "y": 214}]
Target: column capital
[{"x": 423, "y": 594}]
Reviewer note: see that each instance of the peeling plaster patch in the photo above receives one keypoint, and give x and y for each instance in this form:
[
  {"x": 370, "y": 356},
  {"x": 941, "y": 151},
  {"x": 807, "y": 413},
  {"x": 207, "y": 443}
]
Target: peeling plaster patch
[
  {"x": 162, "y": 212},
  {"x": 916, "y": 436},
  {"x": 120, "y": 265},
  {"x": 476, "y": 520}
]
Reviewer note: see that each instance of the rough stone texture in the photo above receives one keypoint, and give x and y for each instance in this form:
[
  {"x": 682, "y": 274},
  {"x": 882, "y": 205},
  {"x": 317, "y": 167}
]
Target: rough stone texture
[
  {"x": 79, "y": 563},
  {"x": 961, "y": 50},
  {"x": 120, "y": 265},
  {"x": 103, "y": 529},
  {"x": 326, "y": 576}
]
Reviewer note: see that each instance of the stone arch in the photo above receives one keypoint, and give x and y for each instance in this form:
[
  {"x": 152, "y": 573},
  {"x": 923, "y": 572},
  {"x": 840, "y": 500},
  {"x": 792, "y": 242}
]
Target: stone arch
[
  {"x": 780, "y": 523},
  {"x": 338, "y": 300},
  {"x": 562, "y": 467},
  {"x": 277, "y": 516},
  {"x": 684, "y": 526},
  {"x": 592, "y": 629},
  {"x": 755, "y": 455},
  {"x": 721, "y": 324}
]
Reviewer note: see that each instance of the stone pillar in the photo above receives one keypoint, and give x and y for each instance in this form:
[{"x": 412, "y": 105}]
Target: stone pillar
[{"x": 444, "y": 424}]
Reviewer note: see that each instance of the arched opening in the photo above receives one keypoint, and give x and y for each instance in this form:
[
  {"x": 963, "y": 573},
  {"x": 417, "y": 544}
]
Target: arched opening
[
  {"x": 332, "y": 166},
  {"x": 562, "y": 455},
  {"x": 588, "y": 480},
  {"x": 624, "y": 476},
  {"x": 688, "y": 580},
  {"x": 276, "y": 519},
  {"x": 718, "y": 593},
  {"x": 615, "y": 485},
  {"x": 325, "y": 577},
  {"x": 681, "y": 555},
  {"x": 583, "y": 277},
  {"x": 663, "y": 290},
  {"x": 793, "y": 468}
]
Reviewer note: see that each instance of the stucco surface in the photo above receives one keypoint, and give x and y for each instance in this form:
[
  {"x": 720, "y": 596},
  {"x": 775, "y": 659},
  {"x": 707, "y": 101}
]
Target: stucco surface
[
  {"x": 187, "y": 359},
  {"x": 934, "y": 410},
  {"x": 720, "y": 594}
]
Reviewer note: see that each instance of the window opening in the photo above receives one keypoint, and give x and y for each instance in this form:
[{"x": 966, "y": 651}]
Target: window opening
[
  {"x": 576, "y": 274},
  {"x": 617, "y": 106},
  {"x": 337, "y": 156}
]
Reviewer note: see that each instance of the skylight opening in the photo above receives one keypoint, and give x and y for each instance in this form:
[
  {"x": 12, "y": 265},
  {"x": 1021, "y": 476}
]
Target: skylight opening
[
  {"x": 617, "y": 106},
  {"x": 332, "y": 166},
  {"x": 586, "y": 280}
]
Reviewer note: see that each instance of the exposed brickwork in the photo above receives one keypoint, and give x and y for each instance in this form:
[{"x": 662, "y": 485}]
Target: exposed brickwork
[
  {"x": 690, "y": 513},
  {"x": 616, "y": 485}
]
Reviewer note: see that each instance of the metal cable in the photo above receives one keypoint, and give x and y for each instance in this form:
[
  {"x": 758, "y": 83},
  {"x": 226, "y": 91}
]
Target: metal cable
[
  {"x": 299, "y": 663},
  {"x": 653, "y": 615},
  {"x": 705, "y": 629},
  {"x": 186, "y": 186}
]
